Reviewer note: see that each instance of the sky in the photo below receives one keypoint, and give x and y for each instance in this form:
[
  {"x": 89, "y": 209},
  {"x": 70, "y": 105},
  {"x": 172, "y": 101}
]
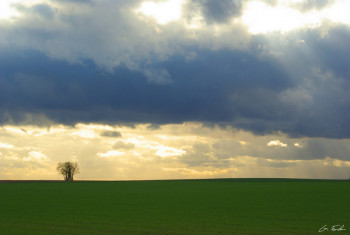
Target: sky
[{"x": 175, "y": 89}]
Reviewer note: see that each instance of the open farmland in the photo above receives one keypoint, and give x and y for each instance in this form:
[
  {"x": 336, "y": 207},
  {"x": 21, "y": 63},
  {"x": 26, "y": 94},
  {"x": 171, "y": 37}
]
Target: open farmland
[{"x": 220, "y": 206}]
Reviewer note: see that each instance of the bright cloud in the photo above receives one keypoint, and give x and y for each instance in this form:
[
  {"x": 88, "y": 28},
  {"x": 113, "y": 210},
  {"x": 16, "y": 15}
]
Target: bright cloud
[
  {"x": 276, "y": 143},
  {"x": 85, "y": 133},
  {"x": 262, "y": 18},
  {"x": 165, "y": 151},
  {"x": 298, "y": 145},
  {"x": 111, "y": 153},
  {"x": 163, "y": 12},
  {"x": 339, "y": 163},
  {"x": 35, "y": 156},
  {"x": 6, "y": 146},
  {"x": 6, "y": 10},
  {"x": 171, "y": 151},
  {"x": 338, "y": 12}
]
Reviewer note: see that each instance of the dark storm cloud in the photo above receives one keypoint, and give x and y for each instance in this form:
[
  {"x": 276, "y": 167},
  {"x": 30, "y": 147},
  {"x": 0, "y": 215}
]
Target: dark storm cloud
[
  {"x": 332, "y": 51},
  {"x": 301, "y": 92},
  {"x": 327, "y": 84},
  {"x": 200, "y": 91},
  {"x": 214, "y": 11}
]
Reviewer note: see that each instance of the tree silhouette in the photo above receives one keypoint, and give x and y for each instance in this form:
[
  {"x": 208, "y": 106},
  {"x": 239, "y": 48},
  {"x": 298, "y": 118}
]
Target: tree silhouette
[{"x": 68, "y": 170}]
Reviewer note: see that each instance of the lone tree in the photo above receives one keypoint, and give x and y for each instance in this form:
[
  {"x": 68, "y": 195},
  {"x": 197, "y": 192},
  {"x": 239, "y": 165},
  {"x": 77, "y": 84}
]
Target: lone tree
[{"x": 68, "y": 170}]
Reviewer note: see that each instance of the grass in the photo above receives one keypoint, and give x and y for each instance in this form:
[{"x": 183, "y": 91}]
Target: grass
[{"x": 223, "y": 206}]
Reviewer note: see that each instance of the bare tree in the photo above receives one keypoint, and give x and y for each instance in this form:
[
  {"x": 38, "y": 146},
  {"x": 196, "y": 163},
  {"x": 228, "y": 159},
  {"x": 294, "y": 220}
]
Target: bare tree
[{"x": 68, "y": 170}]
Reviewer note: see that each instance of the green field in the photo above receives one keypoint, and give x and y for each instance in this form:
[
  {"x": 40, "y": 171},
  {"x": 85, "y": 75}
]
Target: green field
[{"x": 222, "y": 206}]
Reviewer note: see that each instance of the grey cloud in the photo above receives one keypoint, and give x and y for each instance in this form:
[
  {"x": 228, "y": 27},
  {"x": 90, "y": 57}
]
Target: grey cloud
[
  {"x": 225, "y": 149},
  {"x": 217, "y": 88},
  {"x": 271, "y": 2},
  {"x": 153, "y": 126},
  {"x": 159, "y": 76},
  {"x": 322, "y": 148},
  {"x": 214, "y": 11},
  {"x": 198, "y": 155},
  {"x": 116, "y": 134},
  {"x": 111, "y": 34},
  {"x": 202, "y": 154},
  {"x": 276, "y": 163},
  {"x": 309, "y": 149},
  {"x": 11, "y": 164},
  {"x": 74, "y": 1},
  {"x": 305, "y": 5},
  {"x": 123, "y": 145},
  {"x": 229, "y": 152},
  {"x": 308, "y": 5},
  {"x": 43, "y": 10}
]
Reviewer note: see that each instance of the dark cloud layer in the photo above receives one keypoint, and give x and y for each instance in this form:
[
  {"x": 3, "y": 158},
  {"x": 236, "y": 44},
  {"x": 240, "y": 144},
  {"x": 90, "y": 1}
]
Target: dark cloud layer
[
  {"x": 225, "y": 87},
  {"x": 295, "y": 83},
  {"x": 201, "y": 90}
]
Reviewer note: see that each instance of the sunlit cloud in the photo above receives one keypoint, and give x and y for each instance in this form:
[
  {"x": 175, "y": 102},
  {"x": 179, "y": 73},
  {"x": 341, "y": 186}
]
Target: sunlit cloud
[
  {"x": 339, "y": 12},
  {"x": 165, "y": 151},
  {"x": 244, "y": 143},
  {"x": 6, "y": 146},
  {"x": 6, "y": 10},
  {"x": 35, "y": 156},
  {"x": 339, "y": 163},
  {"x": 163, "y": 12},
  {"x": 14, "y": 130},
  {"x": 243, "y": 160},
  {"x": 276, "y": 143},
  {"x": 160, "y": 149},
  {"x": 86, "y": 133},
  {"x": 111, "y": 153},
  {"x": 199, "y": 172},
  {"x": 298, "y": 145},
  {"x": 262, "y": 18},
  {"x": 188, "y": 150}
]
